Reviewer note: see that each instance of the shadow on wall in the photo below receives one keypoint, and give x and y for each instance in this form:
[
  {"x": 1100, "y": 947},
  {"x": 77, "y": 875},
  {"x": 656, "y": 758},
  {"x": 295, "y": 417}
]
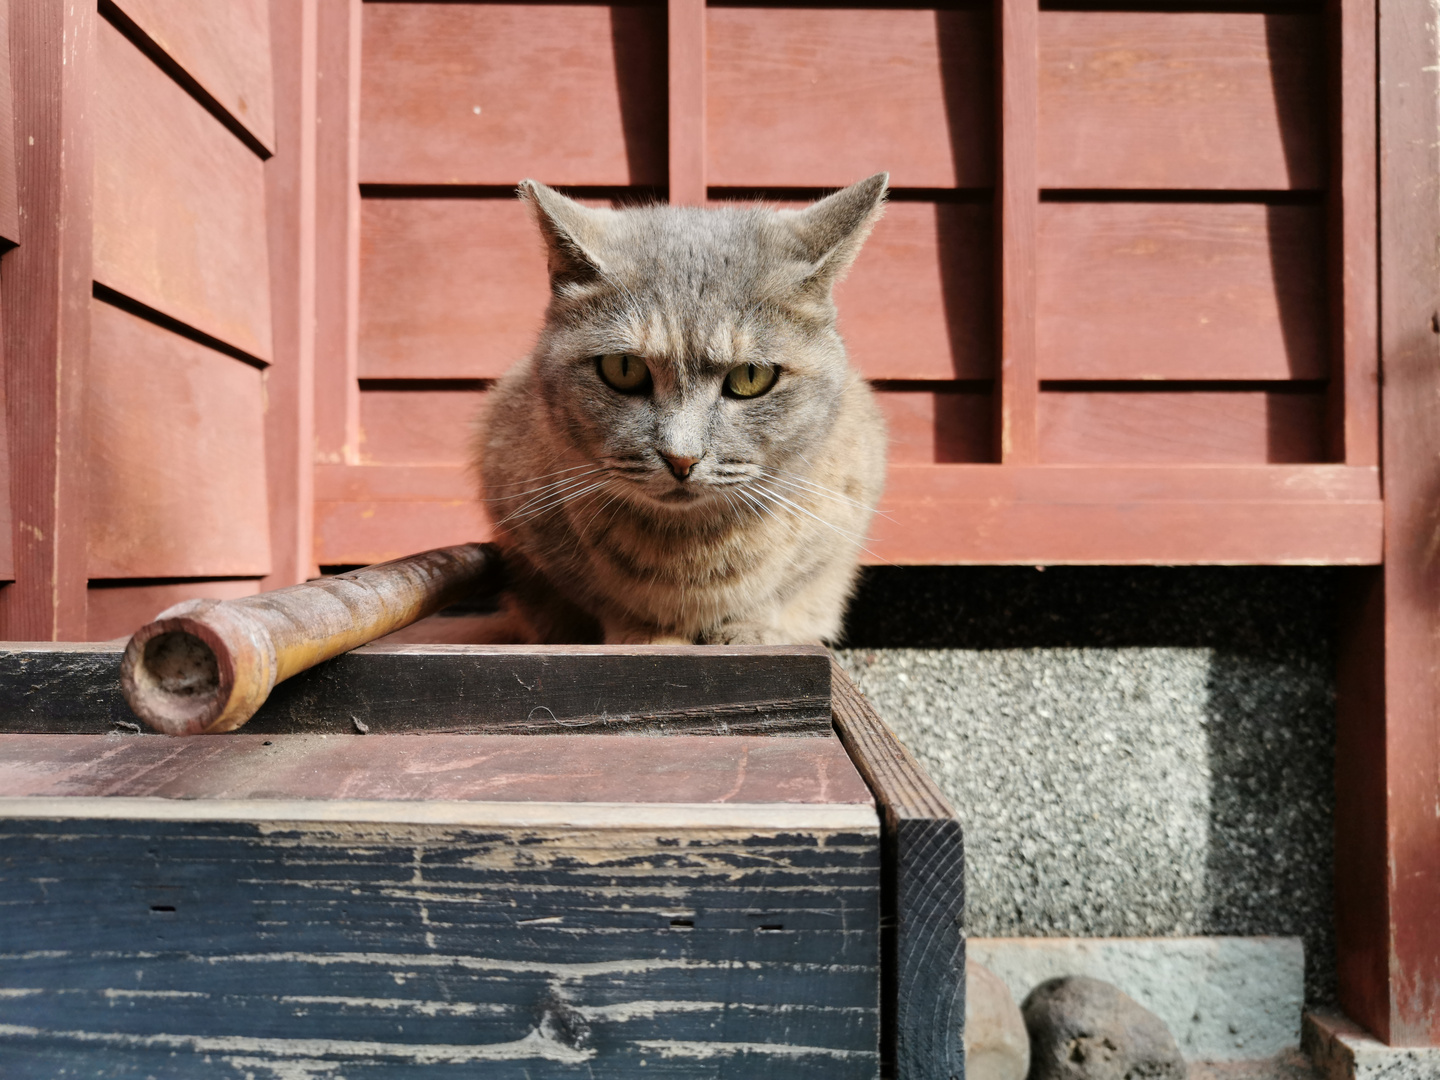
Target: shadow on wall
[{"x": 1134, "y": 751}]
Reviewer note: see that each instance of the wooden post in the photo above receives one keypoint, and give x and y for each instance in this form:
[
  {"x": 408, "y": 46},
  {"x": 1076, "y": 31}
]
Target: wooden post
[
  {"x": 687, "y": 102},
  {"x": 47, "y": 297},
  {"x": 1387, "y": 845}
]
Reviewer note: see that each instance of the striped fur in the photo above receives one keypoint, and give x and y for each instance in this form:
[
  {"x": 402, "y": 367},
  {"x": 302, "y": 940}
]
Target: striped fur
[{"x": 761, "y": 542}]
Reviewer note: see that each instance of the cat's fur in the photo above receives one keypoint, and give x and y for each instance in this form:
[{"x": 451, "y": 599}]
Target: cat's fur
[{"x": 759, "y": 544}]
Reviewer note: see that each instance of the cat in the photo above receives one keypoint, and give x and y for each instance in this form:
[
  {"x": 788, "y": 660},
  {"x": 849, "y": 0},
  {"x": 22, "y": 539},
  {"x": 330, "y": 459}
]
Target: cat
[{"x": 687, "y": 455}]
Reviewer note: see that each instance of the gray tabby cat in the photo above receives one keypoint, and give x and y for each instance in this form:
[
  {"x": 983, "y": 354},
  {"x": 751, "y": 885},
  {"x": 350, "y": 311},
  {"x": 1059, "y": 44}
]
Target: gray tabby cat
[{"x": 687, "y": 455}]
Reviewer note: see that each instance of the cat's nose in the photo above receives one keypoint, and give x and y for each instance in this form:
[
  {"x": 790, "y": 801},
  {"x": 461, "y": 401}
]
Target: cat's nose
[{"x": 680, "y": 466}]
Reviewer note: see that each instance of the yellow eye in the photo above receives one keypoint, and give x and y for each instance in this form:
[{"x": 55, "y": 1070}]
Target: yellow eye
[
  {"x": 624, "y": 372},
  {"x": 749, "y": 380}
]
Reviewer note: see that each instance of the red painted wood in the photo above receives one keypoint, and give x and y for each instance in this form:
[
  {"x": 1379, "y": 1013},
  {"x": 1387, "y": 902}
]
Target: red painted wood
[
  {"x": 179, "y": 202},
  {"x": 337, "y": 231},
  {"x": 685, "y": 34},
  {"x": 1181, "y": 291},
  {"x": 223, "y": 47},
  {"x": 291, "y": 196},
  {"x": 46, "y": 300},
  {"x": 428, "y": 68},
  {"x": 803, "y": 97},
  {"x": 957, "y": 513},
  {"x": 417, "y": 425},
  {"x": 7, "y": 538},
  {"x": 1404, "y": 1010},
  {"x": 175, "y": 455},
  {"x": 1354, "y": 324},
  {"x": 1167, "y": 99},
  {"x": 117, "y": 609},
  {"x": 929, "y": 424},
  {"x": 692, "y": 769},
  {"x": 1185, "y": 426},
  {"x": 9, "y": 204},
  {"x": 1017, "y": 202}
]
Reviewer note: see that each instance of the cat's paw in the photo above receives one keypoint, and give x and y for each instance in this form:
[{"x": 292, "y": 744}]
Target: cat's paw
[{"x": 742, "y": 634}]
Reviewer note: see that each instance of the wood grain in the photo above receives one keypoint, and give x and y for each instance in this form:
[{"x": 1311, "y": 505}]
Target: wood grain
[
  {"x": 179, "y": 203},
  {"x": 45, "y": 319},
  {"x": 1016, "y": 200},
  {"x": 928, "y": 424},
  {"x": 175, "y": 455},
  {"x": 1169, "y": 99},
  {"x": 419, "y": 423},
  {"x": 1404, "y": 1010},
  {"x": 1181, "y": 291},
  {"x": 7, "y": 537},
  {"x": 223, "y": 47},
  {"x": 504, "y": 945},
  {"x": 685, "y": 37},
  {"x": 475, "y": 689},
  {"x": 449, "y": 94},
  {"x": 9, "y": 193},
  {"x": 681, "y": 769},
  {"x": 801, "y": 97},
  {"x": 1136, "y": 426},
  {"x": 116, "y": 609},
  {"x": 923, "y": 897}
]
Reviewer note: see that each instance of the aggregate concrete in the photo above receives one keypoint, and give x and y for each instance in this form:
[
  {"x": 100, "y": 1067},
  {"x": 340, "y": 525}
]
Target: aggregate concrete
[{"x": 1133, "y": 751}]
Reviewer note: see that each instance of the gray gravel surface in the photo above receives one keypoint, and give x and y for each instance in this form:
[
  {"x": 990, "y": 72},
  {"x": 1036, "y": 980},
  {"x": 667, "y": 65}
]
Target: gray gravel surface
[{"x": 1136, "y": 752}]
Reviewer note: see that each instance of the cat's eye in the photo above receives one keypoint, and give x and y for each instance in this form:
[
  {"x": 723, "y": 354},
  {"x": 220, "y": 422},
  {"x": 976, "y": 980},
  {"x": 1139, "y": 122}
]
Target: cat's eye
[
  {"x": 624, "y": 372},
  {"x": 749, "y": 380}
]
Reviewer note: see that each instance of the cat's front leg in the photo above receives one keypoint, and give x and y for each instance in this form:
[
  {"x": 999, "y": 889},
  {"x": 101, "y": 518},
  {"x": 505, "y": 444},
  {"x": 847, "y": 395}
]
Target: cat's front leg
[{"x": 744, "y": 633}]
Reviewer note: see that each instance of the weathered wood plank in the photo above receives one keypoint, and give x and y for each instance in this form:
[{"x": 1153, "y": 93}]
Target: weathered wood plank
[
  {"x": 116, "y": 609},
  {"x": 9, "y": 194},
  {"x": 923, "y": 898},
  {"x": 499, "y": 940},
  {"x": 465, "y": 688}
]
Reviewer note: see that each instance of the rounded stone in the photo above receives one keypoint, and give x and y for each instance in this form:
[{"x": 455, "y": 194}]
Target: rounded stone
[
  {"x": 1084, "y": 1029},
  {"x": 997, "y": 1047}
]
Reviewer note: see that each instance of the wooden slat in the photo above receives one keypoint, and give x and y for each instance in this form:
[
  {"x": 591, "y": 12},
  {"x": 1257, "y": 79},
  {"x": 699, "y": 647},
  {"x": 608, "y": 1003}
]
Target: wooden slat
[
  {"x": 923, "y": 950},
  {"x": 469, "y": 93},
  {"x": 337, "y": 231},
  {"x": 416, "y": 425},
  {"x": 117, "y": 610},
  {"x": 449, "y": 288},
  {"x": 179, "y": 203},
  {"x": 7, "y": 510},
  {"x": 175, "y": 457},
  {"x": 1396, "y": 994},
  {"x": 1181, "y": 291},
  {"x": 919, "y": 302},
  {"x": 685, "y": 35},
  {"x": 1183, "y": 426},
  {"x": 1138, "y": 515},
  {"x": 802, "y": 97},
  {"x": 929, "y": 424},
  {"x": 1132, "y": 99},
  {"x": 480, "y": 689},
  {"x": 290, "y": 385},
  {"x": 223, "y": 47},
  {"x": 9, "y": 195},
  {"x": 46, "y": 297},
  {"x": 1016, "y": 202},
  {"x": 1354, "y": 306}
]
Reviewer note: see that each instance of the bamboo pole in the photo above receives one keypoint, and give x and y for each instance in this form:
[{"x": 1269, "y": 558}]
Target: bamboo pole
[{"x": 206, "y": 666}]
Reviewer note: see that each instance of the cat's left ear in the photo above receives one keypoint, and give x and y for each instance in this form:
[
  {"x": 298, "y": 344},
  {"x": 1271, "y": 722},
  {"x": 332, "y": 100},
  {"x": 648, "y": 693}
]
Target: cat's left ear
[
  {"x": 573, "y": 234},
  {"x": 833, "y": 229}
]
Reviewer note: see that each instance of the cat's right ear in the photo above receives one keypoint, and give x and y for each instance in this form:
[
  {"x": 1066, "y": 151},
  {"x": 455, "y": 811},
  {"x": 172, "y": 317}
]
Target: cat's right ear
[{"x": 573, "y": 234}]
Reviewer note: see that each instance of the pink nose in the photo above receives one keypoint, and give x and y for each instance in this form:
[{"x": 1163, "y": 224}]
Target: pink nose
[{"x": 680, "y": 466}]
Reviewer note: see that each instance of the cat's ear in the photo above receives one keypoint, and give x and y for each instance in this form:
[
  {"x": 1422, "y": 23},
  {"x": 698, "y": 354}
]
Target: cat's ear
[
  {"x": 573, "y": 234},
  {"x": 832, "y": 230}
]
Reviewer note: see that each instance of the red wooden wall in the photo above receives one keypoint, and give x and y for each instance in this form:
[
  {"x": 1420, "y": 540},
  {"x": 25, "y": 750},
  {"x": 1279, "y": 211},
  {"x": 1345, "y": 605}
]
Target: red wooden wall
[{"x": 262, "y": 260}]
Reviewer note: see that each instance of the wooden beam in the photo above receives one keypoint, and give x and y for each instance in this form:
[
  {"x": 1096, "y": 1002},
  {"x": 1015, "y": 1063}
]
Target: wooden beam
[
  {"x": 687, "y": 102},
  {"x": 395, "y": 689},
  {"x": 1388, "y": 917},
  {"x": 922, "y": 1011},
  {"x": 1017, "y": 202},
  {"x": 290, "y": 381},
  {"x": 46, "y": 317}
]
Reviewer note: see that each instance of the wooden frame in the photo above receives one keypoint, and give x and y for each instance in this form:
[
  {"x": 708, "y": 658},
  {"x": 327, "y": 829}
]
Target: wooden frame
[{"x": 396, "y": 692}]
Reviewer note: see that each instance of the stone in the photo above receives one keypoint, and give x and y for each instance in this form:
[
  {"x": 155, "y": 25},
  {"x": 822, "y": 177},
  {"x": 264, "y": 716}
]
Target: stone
[
  {"x": 997, "y": 1046},
  {"x": 1084, "y": 1029}
]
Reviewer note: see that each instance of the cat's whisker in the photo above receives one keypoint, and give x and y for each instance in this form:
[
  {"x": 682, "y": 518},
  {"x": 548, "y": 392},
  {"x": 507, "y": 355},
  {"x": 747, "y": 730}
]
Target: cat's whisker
[
  {"x": 544, "y": 487},
  {"x": 550, "y": 491},
  {"x": 796, "y": 480},
  {"x": 522, "y": 514},
  {"x": 544, "y": 476},
  {"x": 810, "y": 514}
]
